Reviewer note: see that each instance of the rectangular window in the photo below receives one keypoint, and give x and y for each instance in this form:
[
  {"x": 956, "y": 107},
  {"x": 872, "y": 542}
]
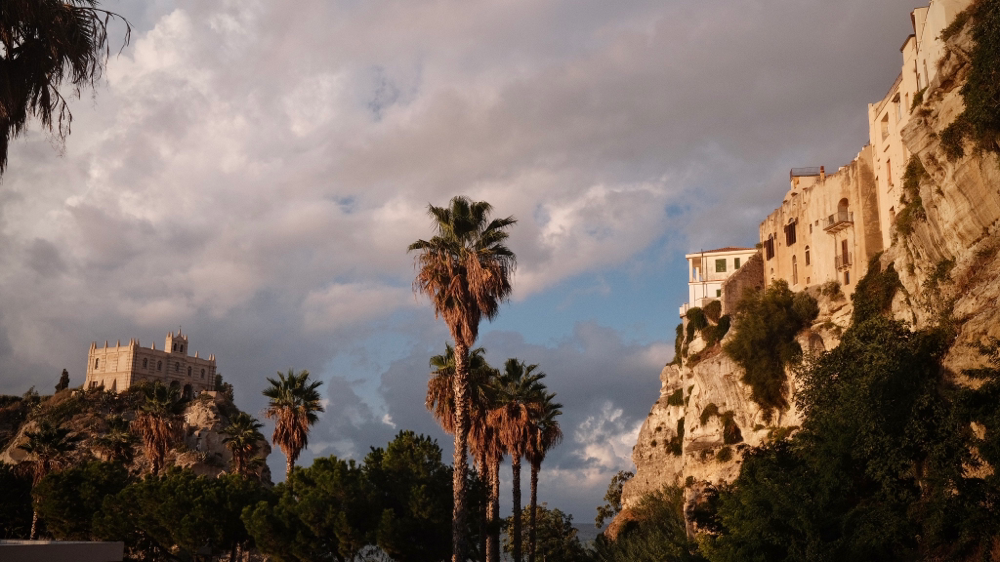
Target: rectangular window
[
  {"x": 769, "y": 247},
  {"x": 736, "y": 263},
  {"x": 885, "y": 127},
  {"x": 720, "y": 266},
  {"x": 790, "y": 233},
  {"x": 888, "y": 172},
  {"x": 847, "y": 278},
  {"x": 718, "y": 292}
]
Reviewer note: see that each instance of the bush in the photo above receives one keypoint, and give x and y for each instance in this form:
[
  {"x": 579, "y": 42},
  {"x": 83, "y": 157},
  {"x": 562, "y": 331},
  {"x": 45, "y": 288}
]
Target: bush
[
  {"x": 714, "y": 334},
  {"x": 658, "y": 533},
  {"x": 678, "y": 345},
  {"x": 764, "y": 342},
  {"x": 725, "y": 454},
  {"x": 677, "y": 398},
  {"x": 913, "y": 206},
  {"x": 696, "y": 322},
  {"x": 941, "y": 273},
  {"x": 831, "y": 289},
  {"x": 676, "y": 443},
  {"x": 713, "y": 310},
  {"x": 918, "y": 99},
  {"x": 874, "y": 292}
]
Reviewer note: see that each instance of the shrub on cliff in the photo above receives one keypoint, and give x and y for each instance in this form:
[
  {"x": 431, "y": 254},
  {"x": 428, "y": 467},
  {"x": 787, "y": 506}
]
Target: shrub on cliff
[
  {"x": 980, "y": 121},
  {"x": 657, "y": 533},
  {"x": 764, "y": 343}
]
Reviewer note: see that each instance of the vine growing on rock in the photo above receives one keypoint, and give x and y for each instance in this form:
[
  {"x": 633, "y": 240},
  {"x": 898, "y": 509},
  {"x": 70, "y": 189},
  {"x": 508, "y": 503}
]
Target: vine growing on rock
[
  {"x": 980, "y": 121},
  {"x": 764, "y": 342}
]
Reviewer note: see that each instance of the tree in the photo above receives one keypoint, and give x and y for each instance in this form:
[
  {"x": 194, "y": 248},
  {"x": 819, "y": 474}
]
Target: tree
[
  {"x": 158, "y": 421},
  {"x": 466, "y": 270},
  {"x": 411, "y": 484},
  {"x": 68, "y": 500},
  {"x": 117, "y": 444},
  {"x": 544, "y": 434},
  {"x": 519, "y": 397},
  {"x": 63, "y": 383},
  {"x": 294, "y": 404},
  {"x": 557, "y": 538},
  {"x": 46, "y": 43},
  {"x": 243, "y": 439},
  {"x": 612, "y": 498},
  {"x": 15, "y": 503},
  {"x": 49, "y": 447},
  {"x": 483, "y": 440},
  {"x": 658, "y": 533}
]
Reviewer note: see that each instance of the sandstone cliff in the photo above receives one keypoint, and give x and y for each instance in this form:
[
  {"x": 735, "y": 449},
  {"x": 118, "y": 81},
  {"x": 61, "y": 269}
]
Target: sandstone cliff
[
  {"x": 950, "y": 275},
  {"x": 200, "y": 447}
]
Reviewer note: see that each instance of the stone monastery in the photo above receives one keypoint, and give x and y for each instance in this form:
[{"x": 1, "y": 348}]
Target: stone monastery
[
  {"x": 119, "y": 367},
  {"x": 830, "y": 225}
]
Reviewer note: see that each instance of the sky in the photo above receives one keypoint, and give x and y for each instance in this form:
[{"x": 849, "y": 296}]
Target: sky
[{"x": 254, "y": 170}]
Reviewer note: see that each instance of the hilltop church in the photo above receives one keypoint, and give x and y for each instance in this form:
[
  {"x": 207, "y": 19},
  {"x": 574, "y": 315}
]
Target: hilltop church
[{"x": 119, "y": 367}]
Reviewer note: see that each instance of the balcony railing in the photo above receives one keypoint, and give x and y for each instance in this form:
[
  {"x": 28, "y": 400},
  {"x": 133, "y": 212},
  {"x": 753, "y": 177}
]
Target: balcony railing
[
  {"x": 839, "y": 221},
  {"x": 843, "y": 261}
]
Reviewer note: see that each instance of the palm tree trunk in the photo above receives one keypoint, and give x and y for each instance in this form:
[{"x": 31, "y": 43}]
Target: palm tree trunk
[
  {"x": 460, "y": 391},
  {"x": 515, "y": 463},
  {"x": 531, "y": 514},
  {"x": 493, "y": 540},
  {"x": 34, "y": 525},
  {"x": 289, "y": 465}
]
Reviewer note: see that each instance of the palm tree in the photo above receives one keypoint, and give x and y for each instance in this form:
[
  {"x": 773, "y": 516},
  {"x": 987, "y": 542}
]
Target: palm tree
[
  {"x": 294, "y": 405},
  {"x": 482, "y": 439},
  {"x": 545, "y": 434},
  {"x": 466, "y": 271},
  {"x": 243, "y": 441},
  {"x": 117, "y": 444},
  {"x": 46, "y": 42},
  {"x": 519, "y": 397},
  {"x": 158, "y": 421},
  {"x": 49, "y": 445}
]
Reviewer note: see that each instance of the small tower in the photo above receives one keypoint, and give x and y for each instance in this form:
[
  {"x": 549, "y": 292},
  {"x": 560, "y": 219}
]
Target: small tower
[{"x": 176, "y": 343}]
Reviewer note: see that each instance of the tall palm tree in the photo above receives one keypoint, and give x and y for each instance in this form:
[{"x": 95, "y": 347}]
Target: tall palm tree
[
  {"x": 294, "y": 405},
  {"x": 49, "y": 446},
  {"x": 158, "y": 421},
  {"x": 47, "y": 42},
  {"x": 545, "y": 434},
  {"x": 243, "y": 439},
  {"x": 466, "y": 270},
  {"x": 482, "y": 439},
  {"x": 118, "y": 443},
  {"x": 519, "y": 396}
]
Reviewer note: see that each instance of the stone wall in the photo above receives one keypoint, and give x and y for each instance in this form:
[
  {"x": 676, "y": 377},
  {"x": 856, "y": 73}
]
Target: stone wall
[{"x": 749, "y": 276}]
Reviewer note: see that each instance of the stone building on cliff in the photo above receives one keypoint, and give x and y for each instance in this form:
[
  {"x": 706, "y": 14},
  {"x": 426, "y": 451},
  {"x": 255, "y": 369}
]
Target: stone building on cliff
[
  {"x": 119, "y": 367},
  {"x": 708, "y": 271}
]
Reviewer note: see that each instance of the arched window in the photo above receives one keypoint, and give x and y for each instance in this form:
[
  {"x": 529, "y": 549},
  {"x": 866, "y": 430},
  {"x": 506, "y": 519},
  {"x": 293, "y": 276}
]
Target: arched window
[
  {"x": 807, "y": 255},
  {"x": 144, "y": 363},
  {"x": 97, "y": 362},
  {"x": 177, "y": 367},
  {"x": 203, "y": 373},
  {"x": 182, "y": 348},
  {"x": 159, "y": 365},
  {"x": 175, "y": 347},
  {"x": 843, "y": 206},
  {"x": 189, "y": 371}
]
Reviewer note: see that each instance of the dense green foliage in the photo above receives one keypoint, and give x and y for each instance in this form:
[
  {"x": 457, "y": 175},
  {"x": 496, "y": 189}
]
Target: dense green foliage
[
  {"x": 676, "y": 398},
  {"x": 69, "y": 500},
  {"x": 878, "y": 470},
  {"x": 764, "y": 342},
  {"x": 656, "y": 533},
  {"x": 980, "y": 121},
  {"x": 399, "y": 499},
  {"x": 556, "y": 536},
  {"x": 912, "y": 209},
  {"x": 713, "y": 311},
  {"x": 874, "y": 292},
  {"x": 679, "y": 344},
  {"x": 696, "y": 322},
  {"x": 15, "y": 503}
]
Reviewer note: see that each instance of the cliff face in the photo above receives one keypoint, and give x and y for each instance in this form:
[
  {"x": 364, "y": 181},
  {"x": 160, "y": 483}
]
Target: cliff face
[
  {"x": 949, "y": 271},
  {"x": 199, "y": 448}
]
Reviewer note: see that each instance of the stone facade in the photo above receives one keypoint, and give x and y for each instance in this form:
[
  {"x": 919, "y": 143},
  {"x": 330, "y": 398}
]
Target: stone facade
[
  {"x": 119, "y": 367},
  {"x": 920, "y": 74},
  {"x": 826, "y": 228},
  {"x": 749, "y": 276}
]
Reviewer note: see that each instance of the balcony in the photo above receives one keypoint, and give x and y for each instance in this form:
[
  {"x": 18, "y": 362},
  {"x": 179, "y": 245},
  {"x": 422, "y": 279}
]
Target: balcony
[
  {"x": 839, "y": 221},
  {"x": 843, "y": 261}
]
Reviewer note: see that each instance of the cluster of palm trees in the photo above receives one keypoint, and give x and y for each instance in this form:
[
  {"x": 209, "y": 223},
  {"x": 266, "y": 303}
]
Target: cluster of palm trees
[
  {"x": 511, "y": 413},
  {"x": 466, "y": 270}
]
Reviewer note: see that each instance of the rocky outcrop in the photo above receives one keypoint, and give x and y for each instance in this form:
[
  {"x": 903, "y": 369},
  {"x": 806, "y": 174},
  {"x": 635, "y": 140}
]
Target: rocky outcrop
[
  {"x": 199, "y": 448},
  {"x": 949, "y": 272}
]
